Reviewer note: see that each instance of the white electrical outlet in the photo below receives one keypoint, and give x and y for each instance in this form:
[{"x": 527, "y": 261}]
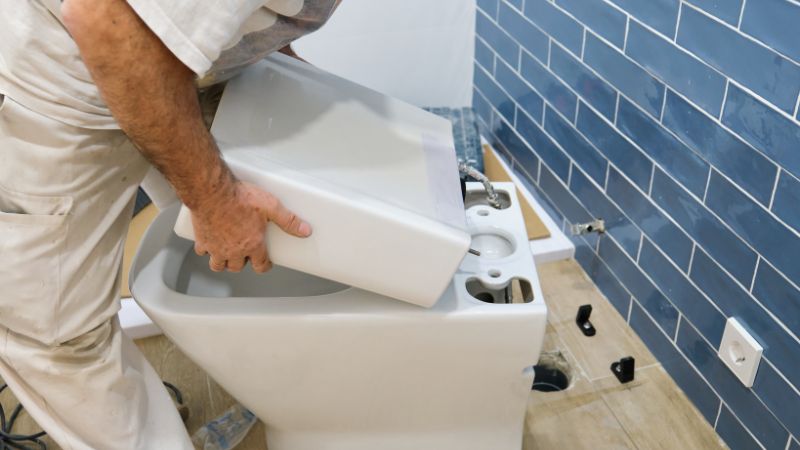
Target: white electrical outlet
[{"x": 740, "y": 352}]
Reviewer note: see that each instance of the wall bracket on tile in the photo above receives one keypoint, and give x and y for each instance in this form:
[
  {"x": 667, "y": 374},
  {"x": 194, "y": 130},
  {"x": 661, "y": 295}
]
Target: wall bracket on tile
[
  {"x": 595, "y": 226},
  {"x": 624, "y": 368},
  {"x": 582, "y": 319}
]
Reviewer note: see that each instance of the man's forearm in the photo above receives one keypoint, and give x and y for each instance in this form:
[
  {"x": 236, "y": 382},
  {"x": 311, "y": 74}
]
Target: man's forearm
[{"x": 152, "y": 96}]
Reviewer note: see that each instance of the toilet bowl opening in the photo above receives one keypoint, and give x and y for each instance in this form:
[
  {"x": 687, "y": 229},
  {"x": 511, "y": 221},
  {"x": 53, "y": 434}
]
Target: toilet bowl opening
[
  {"x": 552, "y": 373},
  {"x": 517, "y": 290}
]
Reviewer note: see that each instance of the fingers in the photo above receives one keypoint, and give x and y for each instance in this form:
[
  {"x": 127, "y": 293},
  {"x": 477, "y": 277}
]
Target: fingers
[
  {"x": 215, "y": 265},
  {"x": 235, "y": 265},
  {"x": 199, "y": 249},
  {"x": 287, "y": 220},
  {"x": 260, "y": 260}
]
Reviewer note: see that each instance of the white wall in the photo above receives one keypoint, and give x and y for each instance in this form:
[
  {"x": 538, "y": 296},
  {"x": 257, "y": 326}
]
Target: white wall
[{"x": 419, "y": 51}]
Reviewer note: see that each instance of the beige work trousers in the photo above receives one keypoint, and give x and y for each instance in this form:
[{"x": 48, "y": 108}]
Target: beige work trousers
[{"x": 66, "y": 197}]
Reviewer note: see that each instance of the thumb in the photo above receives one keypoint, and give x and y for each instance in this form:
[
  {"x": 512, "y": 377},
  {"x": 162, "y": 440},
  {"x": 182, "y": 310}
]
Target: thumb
[{"x": 287, "y": 220}]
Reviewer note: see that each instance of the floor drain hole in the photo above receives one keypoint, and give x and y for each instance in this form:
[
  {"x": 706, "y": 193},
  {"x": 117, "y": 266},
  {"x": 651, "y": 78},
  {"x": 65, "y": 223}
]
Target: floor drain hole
[{"x": 549, "y": 379}]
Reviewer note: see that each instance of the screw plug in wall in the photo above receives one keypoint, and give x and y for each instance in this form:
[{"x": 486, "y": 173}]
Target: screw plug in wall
[{"x": 595, "y": 226}]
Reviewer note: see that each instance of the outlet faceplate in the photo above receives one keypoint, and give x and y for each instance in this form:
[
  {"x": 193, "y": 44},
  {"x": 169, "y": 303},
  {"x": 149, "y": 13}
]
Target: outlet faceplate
[{"x": 740, "y": 352}]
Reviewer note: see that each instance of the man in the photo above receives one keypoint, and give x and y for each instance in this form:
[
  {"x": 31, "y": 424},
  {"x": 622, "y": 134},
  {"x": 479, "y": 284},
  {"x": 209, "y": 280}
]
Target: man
[{"x": 93, "y": 92}]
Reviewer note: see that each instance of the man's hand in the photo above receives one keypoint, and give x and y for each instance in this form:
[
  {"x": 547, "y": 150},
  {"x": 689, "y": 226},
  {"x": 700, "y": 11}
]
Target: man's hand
[
  {"x": 152, "y": 96},
  {"x": 233, "y": 231}
]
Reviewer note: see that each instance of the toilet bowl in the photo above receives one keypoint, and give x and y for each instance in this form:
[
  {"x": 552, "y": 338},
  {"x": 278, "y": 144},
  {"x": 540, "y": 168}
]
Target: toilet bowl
[{"x": 327, "y": 366}]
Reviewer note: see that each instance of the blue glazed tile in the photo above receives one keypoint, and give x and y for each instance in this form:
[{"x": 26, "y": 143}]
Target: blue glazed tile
[
  {"x": 576, "y": 146},
  {"x": 549, "y": 86},
  {"x": 768, "y": 131},
  {"x": 659, "y": 14},
  {"x": 562, "y": 198},
  {"x": 682, "y": 293},
  {"x": 742, "y": 401},
  {"x": 795, "y": 445},
  {"x": 492, "y": 92},
  {"x": 540, "y": 196},
  {"x": 482, "y": 106},
  {"x": 556, "y": 23},
  {"x": 704, "y": 228},
  {"x": 617, "y": 225},
  {"x": 626, "y": 76},
  {"x": 642, "y": 289},
  {"x": 727, "y": 10},
  {"x": 734, "y": 301},
  {"x": 595, "y": 91},
  {"x": 497, "y": 39},
  {"x": 489, "y": 7},
  {"x": 665, "y": 234},
  {"x": 599, "y": 17},
  {"x": 733, "y": 433},
  {"x": 774, "y": 241},
  {"x": 743, "y": 164},
  {"x": 515, "y": 3},
  {"x": 675, "y": 364},
  {"x": 779, "y": 397},
  {"x": 517, "y": 148},
  {"x": 787, "y": 200},
  {"x": 612, "y": 289},
  {"x": 584, "y": 254},
  {"x": 780, "y": 297},
  {"x": 526, "y": 98},
  {"x": 775, "y": 23},
  {"x": 530, "y": 37},
  {"x": 543, "y": 146},
  {"x": 679, "y": 161},
  {"x": 765, "y": 72},
  {"x": 678, "y": 69},
  {"x": 630, "y": 160},
  {"x": 484, "y": 55},
  {"x": 608, "y": 284}
]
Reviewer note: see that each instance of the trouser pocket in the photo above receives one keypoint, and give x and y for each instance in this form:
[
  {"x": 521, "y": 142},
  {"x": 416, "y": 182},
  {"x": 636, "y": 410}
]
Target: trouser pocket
[{"x": 32, "y": 234}]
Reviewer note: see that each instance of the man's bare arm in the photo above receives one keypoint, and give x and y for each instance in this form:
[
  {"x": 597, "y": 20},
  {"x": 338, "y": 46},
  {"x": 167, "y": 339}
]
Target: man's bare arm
[{"x": 152, "y": 96}]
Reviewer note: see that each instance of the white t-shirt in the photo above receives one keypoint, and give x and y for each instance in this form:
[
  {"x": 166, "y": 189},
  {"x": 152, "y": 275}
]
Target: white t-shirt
[{"x": 41, "y": 67}]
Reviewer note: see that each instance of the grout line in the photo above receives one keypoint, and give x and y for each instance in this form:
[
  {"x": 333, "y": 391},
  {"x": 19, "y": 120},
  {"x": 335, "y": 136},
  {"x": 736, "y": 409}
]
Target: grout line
[
  {"x": 691, "y": 259},
  {"x": 791, "y": 386},
  {"x": 788, "y": 443},
  {"x": 678, "y": 23},
  {"x": 605, "y": 183},
  {"x": 719, "y": 413},
  {"x": 616, "y": 111},
  {"x": 539, "y": 171},
  {"x": 577, "y": 110},
  {"x": 774, "y": 189},
  {"x": 681, "y": 318},
  {"x": 549, "y": 51},
  {"x": 630, "y": 309},
  {"x": 705, "y": 192},
  {"x": 755, "y": 272},
  {"x": 741, "y": 15},
  {"x": 652, "y": 177},
  {"x": 639, "y": 251},
  {"x": 518, "y": 69},
  {"x": 667, "y": 90},
  {"x": 797, "y": 108},
  {"x": 583, "y": 44},
  {"x": 627, "y": 27},
  {"x": 724, "y": 100}
]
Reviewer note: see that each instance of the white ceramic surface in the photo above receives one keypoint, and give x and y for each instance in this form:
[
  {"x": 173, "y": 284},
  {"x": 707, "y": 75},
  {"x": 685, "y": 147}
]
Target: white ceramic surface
[
  {"x": 331, "y": 367},
  {"x": 375, "y": 177}
]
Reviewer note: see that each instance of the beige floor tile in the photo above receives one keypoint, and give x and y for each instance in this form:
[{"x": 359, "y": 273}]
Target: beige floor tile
[
  {"x": 577, "y": 418},
  {"x": 656, "y": 414},
  {"x": 566, "y": 288}
]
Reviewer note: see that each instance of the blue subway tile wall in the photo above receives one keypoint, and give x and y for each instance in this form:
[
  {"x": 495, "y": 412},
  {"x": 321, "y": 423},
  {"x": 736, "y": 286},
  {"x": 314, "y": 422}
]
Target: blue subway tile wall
[{"x": 678, "y": 122}]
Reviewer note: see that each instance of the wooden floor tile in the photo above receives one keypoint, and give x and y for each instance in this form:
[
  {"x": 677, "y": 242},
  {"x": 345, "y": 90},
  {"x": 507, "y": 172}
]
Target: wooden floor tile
[{"x": 656, "y": 414}]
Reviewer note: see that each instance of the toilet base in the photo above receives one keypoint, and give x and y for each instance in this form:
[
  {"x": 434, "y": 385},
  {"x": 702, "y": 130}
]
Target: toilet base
[{"x": 486, "y": 439}]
